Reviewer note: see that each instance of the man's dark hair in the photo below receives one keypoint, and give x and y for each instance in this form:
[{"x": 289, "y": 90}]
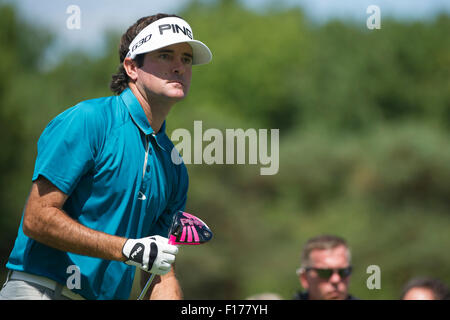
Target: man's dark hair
[
  {"x": 120, "y": 79},
  {"x": 437, "y": 287}
]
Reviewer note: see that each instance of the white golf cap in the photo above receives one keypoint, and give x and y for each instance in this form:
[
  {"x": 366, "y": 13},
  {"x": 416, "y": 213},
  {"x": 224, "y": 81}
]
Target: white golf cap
[{"x": 165, "y": 32}]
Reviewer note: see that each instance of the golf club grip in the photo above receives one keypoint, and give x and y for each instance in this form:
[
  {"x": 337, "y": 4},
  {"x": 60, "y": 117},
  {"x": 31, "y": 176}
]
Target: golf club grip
[
  {"x": 149, "y": 281},
  {"x": 147, "y": 285}
]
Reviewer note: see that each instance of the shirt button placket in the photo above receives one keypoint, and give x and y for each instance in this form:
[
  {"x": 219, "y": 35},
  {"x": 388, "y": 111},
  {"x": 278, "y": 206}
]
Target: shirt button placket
[
  {"x": 146, "y": 174},
  {"x": 148, "y": 168}
]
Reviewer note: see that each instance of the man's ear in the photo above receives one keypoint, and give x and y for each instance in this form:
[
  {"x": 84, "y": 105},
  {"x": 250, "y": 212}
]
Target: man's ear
[
  {"x": 130, "y": 67},
  {"x": 303, "y": 278}
]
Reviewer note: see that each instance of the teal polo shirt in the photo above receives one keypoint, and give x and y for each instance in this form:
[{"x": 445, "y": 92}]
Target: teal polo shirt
[{"x": 119, "y": 178}]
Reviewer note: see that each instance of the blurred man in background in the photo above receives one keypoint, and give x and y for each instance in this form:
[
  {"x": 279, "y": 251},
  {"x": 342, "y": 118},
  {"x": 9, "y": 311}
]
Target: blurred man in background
[
  {"x": 425, "y": 289},
  {"x": 325, "y": 269}
]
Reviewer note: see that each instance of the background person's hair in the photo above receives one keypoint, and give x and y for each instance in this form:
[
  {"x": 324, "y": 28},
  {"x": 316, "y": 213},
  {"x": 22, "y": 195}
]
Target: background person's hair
[
  {"x": 439, "y": 289},
  {"x": 322, "y": 242},
  {"x": 119, "y": 81}
]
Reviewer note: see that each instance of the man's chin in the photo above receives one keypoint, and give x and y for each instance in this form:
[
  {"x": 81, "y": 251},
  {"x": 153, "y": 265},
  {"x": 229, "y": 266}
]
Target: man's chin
[
  {"x": 177, "y": 96},
  {"x": 335, "y": 296}
]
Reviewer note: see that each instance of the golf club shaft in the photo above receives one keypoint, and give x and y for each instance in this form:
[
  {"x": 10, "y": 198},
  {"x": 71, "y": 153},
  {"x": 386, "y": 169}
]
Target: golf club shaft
[
  {"x": 147, "y": 285},
  {"x": 149, "y": 282}
]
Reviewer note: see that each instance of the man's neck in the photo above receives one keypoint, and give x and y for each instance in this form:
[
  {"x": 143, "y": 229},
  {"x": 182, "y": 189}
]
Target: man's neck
[{"x": 155, "y": 109}]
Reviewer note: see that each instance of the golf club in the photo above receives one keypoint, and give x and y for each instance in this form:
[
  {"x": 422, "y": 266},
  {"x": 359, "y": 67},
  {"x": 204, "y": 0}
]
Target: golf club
[{"x": 186, "y": 229}]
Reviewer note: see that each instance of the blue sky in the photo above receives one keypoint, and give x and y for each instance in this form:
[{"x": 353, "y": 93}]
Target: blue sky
[{"x": 99, "y": 15}]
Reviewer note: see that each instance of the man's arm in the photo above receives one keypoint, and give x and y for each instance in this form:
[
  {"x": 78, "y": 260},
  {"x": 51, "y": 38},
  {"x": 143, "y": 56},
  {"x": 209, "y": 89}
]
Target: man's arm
[
  {"x": 164, "y": 287},
  {"x": 46, "y": 222}
]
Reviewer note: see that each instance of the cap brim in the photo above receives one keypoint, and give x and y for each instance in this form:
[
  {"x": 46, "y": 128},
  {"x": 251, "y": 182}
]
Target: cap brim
[
  {"x": 152, "y": 38},
  {"x": 200, "y": 51}
]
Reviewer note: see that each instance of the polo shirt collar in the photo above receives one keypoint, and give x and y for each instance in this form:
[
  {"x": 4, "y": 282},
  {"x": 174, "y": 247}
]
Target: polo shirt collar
[
  {"x": 140, "y": 119},
  {"x": 138, "y": 114}
]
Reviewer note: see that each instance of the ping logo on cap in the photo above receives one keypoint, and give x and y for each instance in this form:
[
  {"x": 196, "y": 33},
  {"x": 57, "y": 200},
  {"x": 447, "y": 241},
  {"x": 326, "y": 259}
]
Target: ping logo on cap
[{"x": 175, "y": 29}]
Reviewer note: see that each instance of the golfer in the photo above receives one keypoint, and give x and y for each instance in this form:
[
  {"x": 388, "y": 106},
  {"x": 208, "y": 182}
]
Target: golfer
[{"x": 104, "y": 186}]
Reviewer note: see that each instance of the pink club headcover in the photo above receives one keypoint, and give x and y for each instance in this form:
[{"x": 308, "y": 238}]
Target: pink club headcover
[{"x": 187, "y": 229}]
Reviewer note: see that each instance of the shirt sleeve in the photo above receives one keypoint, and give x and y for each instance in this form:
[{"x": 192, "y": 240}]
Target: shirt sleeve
[
  {"x": 177, "y": 203},
  {"x": 66, "y": 148}
]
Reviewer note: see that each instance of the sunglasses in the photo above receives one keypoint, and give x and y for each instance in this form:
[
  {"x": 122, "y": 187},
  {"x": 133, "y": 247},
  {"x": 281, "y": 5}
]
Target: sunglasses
[{"x": 327, "y": 273}]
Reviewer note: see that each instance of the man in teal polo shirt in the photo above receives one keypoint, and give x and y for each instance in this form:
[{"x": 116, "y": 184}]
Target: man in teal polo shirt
[{"x": 104, "y": 186}]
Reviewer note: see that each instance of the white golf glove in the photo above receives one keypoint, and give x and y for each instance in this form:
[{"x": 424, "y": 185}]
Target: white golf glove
[{"x": 152, "y": 254}]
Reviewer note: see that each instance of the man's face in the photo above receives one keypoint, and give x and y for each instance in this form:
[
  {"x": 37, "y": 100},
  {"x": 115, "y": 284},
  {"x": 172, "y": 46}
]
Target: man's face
[
  {"x": 334, "y": 287},
  {"x": 166, "y": 73}
]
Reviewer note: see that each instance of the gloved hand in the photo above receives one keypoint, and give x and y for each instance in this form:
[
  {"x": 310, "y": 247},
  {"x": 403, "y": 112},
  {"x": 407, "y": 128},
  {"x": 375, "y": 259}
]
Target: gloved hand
[{"x": 152, "y": 254}]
